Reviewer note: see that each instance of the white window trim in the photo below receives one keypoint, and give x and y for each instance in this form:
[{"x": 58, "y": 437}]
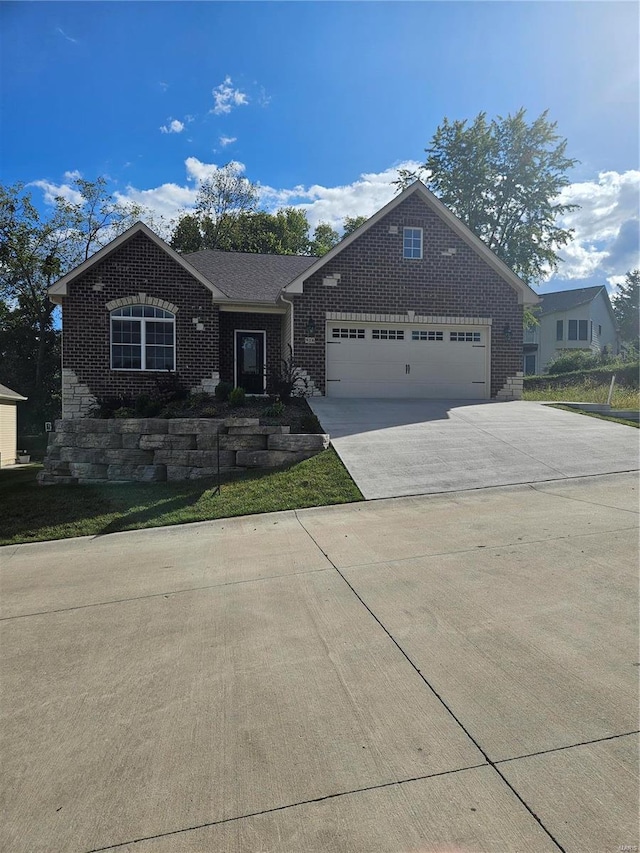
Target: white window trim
[
  {"x": 143, "y": 343},
  {"x": 262, "y": 332},
  {"x": 404, "y": 231}
]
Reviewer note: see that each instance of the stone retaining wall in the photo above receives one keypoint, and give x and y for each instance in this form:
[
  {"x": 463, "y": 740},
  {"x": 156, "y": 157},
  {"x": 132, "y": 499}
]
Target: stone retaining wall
[{"x": 154, "y": 449}]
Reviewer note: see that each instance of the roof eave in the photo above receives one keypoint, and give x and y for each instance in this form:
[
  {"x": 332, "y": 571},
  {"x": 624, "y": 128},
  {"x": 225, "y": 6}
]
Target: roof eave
[
  {"x": 60, "y": 289},
  {"x": 526, "y": 295}
]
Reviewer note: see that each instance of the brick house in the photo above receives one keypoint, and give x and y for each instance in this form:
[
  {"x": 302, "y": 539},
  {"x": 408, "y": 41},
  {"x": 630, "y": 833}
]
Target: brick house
[{"x": 411, "y": 304}]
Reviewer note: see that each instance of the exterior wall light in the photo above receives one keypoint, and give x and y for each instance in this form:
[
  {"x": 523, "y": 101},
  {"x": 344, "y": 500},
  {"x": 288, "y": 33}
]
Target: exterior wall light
[
  {"x": 508, "y": 334},
  {"x": 310, "y": 329}
]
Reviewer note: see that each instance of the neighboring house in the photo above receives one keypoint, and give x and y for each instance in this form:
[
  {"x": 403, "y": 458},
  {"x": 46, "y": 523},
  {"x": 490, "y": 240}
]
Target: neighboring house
[
  {"x": 411, "y": 304},
  {"x": 569, "y": 320},
  {"x": 9, "y": 425}
]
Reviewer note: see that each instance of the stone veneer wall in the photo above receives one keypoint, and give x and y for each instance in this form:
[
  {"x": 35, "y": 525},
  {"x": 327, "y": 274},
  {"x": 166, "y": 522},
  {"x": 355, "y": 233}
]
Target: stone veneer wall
[{"x": 89, "y": 450}]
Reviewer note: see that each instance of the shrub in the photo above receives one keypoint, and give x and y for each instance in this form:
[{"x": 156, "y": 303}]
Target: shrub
[
  {"x": 571, "y": 361},
  {"x": 222, "y": 391},
  {"x": 274, "y": 410},
  {"x": 289, "y": 380},
  {"x": 237, "y": 397}
]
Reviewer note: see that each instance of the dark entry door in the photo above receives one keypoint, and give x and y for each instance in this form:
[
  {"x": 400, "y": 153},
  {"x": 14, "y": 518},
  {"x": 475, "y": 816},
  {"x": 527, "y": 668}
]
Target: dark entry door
[{"x": 250, "y": 361}]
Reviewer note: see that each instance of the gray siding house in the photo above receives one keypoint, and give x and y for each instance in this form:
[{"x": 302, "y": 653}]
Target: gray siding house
[{"x": 570, "y": 319}]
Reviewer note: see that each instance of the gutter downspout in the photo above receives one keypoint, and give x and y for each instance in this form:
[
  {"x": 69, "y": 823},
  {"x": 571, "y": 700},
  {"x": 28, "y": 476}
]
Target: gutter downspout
[{"x": 289, "y": 302}]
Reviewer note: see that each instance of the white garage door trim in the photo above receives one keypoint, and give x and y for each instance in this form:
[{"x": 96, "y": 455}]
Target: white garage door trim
[{"x": 419, "y": 354}]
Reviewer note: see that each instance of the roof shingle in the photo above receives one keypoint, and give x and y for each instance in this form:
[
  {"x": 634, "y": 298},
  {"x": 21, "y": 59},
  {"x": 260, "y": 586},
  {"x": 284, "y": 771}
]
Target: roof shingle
[{"x": 246, "y": 276}]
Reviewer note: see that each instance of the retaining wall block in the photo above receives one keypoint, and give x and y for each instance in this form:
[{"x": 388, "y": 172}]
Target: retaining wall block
[
  {"x": 66, "y": 425},
  {"x": 243, "y": 442},
  {"x": 298, "y": 442},
  {"x": 130, "y": 440},
  {"x": 61, "y": 439},
  {"x": 239, "y": 422},
  {"x": 107, "y": 440},
  {"x": 81, "y": 454},
  {"x": 129, "y": 457},
  {"x": 177, "y": 472},
  {"x": 259, "y": 430},
  {"x": 138, "y": 473},
  {"x": 88, "y": 471},
  {"x": 167, "y": 442},
  {"x": 197, "y": 426},
  {"x": 270, "y": 458},
  {"x": 92, "y": 425},
  {"x": 209, "y": 458},
  {"x": 143, "y": 426},
  {"x": 168, "y": 456}
]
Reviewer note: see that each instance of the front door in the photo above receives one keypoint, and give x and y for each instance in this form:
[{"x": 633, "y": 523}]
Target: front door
[{"x": 250, "y": 363}]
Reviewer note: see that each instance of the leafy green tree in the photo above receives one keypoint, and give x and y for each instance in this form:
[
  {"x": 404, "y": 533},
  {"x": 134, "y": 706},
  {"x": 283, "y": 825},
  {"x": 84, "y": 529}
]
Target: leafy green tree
[
  {"x": 221, "y": 199},
  {"x": 324, "y": 239},
  {"x": 625, "y": 307},
  {"x": 35, "y": 250},
  {"x": 187, "y": 236},
  {"x": 352, "y": 223},
  {"x": 503, "y": 179}
]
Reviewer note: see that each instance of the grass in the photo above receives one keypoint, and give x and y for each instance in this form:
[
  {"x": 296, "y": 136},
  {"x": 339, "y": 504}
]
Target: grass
[
  {"x": 33, "y": 513},
  {"x": 586, "y": 392},
  {"x": 596, "y": 415}
]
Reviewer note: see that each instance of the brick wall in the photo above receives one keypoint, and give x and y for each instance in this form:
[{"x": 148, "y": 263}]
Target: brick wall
[
  {"x": 249, "y": 321},
  {"x": 375, "y": 278},
  {"x": 139, "y": 266}
]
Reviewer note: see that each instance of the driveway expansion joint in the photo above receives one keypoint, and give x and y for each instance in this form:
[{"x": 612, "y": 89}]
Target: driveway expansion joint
[
  {"x": 568, "y": 746},
  {"x": 582, "y": 500},
  {"x": 164, "y": 594},
  {"x": 274, "y": 809},
  {"x": 482, "y": 751}
]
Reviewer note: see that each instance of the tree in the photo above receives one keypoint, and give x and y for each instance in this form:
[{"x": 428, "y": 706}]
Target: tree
[
  {"x": 282, "y": 233},
  {"x": 625, "y": 307},
  {"x": 221, "y": 199},
  {"x": 324, "y": 239},
  {"x": 34, "y": 252},
  {"x": 352, "y": 223},
  {"x": 503, "y": 179}
]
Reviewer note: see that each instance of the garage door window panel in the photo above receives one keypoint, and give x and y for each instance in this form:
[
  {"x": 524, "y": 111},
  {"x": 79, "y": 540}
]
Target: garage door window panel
[
  {"x": 465, "y": 337},
  {"x": 348, "y": 334},
  {"x": 428, "y": 335},
  {"x": 387, "y": 334}
]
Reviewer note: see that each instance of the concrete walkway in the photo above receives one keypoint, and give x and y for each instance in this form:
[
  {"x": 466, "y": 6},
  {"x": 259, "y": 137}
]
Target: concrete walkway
[
  {"x": 417, "y": 447},
  {"x": 454, "y": 672}
]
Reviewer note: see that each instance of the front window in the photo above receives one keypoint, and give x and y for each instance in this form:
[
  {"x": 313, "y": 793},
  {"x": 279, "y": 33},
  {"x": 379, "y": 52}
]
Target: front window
[
  {"x": 412, "y": 243},
  {"x": 142, "y": 338},
  {"x": 559, "y": 330}
]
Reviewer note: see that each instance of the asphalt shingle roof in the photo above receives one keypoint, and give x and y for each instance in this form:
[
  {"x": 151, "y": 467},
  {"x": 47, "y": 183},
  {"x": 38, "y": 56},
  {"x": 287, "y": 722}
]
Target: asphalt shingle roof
[
  {"x": 246, "y": 276},
  {"x": 562, "y": 300}
]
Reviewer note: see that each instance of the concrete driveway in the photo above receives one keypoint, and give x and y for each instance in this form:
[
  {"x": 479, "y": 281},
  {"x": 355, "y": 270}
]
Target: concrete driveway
[
  {"x": 417, "y": 447},
  {"x": 455, "y": 672}
]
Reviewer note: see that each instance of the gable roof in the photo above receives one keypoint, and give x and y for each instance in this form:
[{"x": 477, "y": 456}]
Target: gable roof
[
  {"x": 8, "y": 394},
  {"x": 247, "y": 276},
  {"x": 563, "y": 300},
  {"x": 59, "y": 289},
  {"x": 526, "y": 295}
]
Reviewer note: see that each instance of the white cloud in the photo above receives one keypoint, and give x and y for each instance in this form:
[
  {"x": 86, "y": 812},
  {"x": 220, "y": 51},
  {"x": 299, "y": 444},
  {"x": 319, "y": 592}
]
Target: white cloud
[
  {"x": 64, "y": 35},
  {"x": 606, "y": 226},
  {"x": 362, "y": 197},
  {"x": 225, "y": 97},
  {"x": 53, "y": 191},
  {"x": 163, "y": 86},
  {"x": 174, "y": 126},
  {"x": 74, "y": 175},
  {"x": 227, "y": 140}
]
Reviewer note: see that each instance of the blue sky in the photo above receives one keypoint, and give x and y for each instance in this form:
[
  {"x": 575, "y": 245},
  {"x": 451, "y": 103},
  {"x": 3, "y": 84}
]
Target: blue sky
[{"x": 320, "y": 101}]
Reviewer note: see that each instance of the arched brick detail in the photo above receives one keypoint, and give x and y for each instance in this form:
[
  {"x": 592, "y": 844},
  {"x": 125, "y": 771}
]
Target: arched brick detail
[{"x": 141, "y": 299}]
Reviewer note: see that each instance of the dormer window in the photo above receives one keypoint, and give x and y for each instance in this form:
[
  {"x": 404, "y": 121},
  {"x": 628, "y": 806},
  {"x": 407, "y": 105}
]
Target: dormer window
[{"x": 412, "y": 243}]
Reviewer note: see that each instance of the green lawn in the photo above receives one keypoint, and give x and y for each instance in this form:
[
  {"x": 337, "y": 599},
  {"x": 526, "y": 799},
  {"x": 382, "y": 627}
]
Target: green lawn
[
  {"x": 586, "y": 392},
  {"x": 596, "y": 415},
  {"x": 32, "y": 513}
]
